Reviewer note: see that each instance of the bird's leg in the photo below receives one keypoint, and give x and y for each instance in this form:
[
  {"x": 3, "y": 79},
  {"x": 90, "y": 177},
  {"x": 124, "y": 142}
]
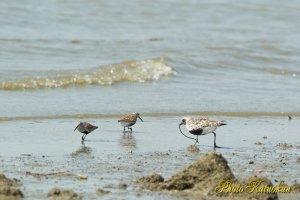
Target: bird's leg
[
  {"x": 196, "y": 140},
  {"x": 83, "y": 137},
  {"x": 215, "y": 145},
  {"x": 130, "y": 129}
]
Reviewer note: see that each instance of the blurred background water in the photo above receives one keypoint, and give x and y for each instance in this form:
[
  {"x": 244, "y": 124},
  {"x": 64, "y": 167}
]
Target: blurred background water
[{"x": 112, "y": 57}]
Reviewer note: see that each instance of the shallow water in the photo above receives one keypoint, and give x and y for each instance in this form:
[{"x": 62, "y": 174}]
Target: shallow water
[{"x": 109, "y": 157}]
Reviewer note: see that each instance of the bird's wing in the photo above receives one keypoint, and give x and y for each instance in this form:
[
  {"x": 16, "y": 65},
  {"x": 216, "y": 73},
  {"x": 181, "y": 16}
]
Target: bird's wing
[
  {"x": 194, "y": 124},
  {"x": 89, "y": 126},
  {"x": 201, "y": 123},
  {"x": 127, "y": 118}
]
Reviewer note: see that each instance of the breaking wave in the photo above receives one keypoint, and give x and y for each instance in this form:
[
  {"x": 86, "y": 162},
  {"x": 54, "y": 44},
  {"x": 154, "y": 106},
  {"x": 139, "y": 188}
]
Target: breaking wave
[{"x": 132, "y": 71}]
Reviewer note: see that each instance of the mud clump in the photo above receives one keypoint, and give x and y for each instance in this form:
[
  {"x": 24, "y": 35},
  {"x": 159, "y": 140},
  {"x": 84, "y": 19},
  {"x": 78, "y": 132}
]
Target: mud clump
[
  {"x": 193, "y": 149},
  {"x": 200, "y": 180},
  {"x": 9, "y": 189},
  {"x": 59, "y": 194},
  {"x": 101, "y": 192},
  {"x": 284, "y": 145},
  {"x": 10, "y": 193},
  {"x": 154, "y": 178},
  {"x": 151, "y": 181},
  {"x": 295, "y": 188},
  {"x": 6, "y": 181},
  {"x": 122, "y": 186},
  {"x": 202, "y": 175}
]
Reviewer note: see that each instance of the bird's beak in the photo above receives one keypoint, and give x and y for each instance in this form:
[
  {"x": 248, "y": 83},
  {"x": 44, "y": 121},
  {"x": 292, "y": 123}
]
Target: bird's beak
[
  {"x": 180, "y": 124},
  {"x": 76, "y": 127},
  {"x": 141, "y": 119}
]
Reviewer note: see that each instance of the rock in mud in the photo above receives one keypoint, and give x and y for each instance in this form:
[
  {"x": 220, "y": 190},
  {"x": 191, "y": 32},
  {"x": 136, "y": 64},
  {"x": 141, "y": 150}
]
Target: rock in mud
[
  {"x": 9, "y": 189},
  {"x": 200, "y": 179},
  {"x": 60, "y": 194}
]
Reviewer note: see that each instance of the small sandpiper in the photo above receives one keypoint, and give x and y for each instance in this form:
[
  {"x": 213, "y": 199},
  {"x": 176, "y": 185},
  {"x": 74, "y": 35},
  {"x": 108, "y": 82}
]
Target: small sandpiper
[
  {"x": 85, "y": 128},
  {"x": 129, "y": 120},
  {"x": 201, "y": 126}
]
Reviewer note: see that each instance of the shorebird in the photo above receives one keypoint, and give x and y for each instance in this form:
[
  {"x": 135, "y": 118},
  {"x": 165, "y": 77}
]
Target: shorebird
[
  {"x": 201, "y": 126},
  {"x": 85, "y": 128},
  {"x": 129, "y": 120}
]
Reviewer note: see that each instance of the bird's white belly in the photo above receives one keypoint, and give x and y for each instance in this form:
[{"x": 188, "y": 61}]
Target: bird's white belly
[
  {"x": 127, "y": 124},
  {"x": 189, "y": 128},
  {"x": 209, "y": 129}
]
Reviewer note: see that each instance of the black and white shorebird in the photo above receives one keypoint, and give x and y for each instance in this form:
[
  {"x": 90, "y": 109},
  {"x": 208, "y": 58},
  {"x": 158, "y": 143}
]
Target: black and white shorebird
[
  {"x": 85, "y": 128},
  {"x": 129, "y": 120},
  {"x": 201, "y": 126}
]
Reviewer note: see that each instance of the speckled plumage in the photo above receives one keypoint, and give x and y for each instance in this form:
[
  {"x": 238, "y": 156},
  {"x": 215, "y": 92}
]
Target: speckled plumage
[
  {"x": 129, "y": 120},
  {"x": 208, "y": 126},
  {"x": 201, "y": 126}
]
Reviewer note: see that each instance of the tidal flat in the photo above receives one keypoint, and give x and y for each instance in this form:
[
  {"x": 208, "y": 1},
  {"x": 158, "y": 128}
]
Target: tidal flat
[{"x": 47, "y": 154}]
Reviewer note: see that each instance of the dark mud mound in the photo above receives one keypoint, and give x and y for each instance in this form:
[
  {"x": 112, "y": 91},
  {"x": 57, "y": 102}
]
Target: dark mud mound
[
  {"x": 9, "y": 189},
  {"x": 60, "y": 194},
  {"x": 202, "y": 175},
  {"x": 200, "y": 179}
]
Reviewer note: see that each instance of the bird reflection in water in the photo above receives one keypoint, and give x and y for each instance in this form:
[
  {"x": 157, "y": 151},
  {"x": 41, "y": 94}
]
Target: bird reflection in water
[
  {"x": 83, "y": 150},
  {"x": 128, "y": 141}
]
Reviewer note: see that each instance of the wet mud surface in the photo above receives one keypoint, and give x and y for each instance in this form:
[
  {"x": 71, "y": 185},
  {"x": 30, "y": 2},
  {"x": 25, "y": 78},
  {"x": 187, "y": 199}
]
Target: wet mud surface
[{"x": 108, "y": 164}]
